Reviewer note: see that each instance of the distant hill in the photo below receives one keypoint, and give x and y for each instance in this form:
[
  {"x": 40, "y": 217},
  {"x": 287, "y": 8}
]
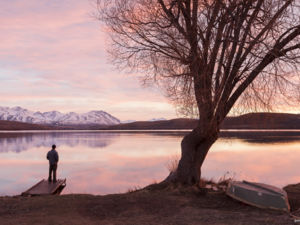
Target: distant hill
[
  {"x": 12, "y": 125},
  {"x": 247, "y": 121},
  {"x": 263, "y": 121},
  {"x": 160, "y": 124}
]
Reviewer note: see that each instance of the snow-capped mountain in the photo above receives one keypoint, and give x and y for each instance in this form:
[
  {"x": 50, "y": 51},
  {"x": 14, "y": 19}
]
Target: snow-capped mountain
[
  {"x": 128, "y": 121},
  {"x": 157, "y": 119},
  {"x": 54, "y": 117},
  {"x": 151, "y": 120}
]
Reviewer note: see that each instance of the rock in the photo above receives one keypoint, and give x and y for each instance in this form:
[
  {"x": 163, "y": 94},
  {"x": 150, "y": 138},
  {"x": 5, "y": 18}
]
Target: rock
[{"x": 293, "y": 191}]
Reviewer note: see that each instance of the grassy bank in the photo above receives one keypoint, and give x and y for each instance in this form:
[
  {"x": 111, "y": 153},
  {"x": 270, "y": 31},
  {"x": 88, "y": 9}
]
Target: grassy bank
[{"x": 169, "y": 206}]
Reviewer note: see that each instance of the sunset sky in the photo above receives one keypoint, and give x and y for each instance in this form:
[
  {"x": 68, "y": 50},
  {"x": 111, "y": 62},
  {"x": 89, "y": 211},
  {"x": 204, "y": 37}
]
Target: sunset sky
[{"x": 53, "y": 57}]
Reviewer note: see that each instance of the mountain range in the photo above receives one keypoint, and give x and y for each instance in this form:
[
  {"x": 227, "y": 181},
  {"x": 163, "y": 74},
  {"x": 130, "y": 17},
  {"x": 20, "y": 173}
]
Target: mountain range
[
  {"x": 17, "y": 118},
  {"x": 19, "y": 114}
]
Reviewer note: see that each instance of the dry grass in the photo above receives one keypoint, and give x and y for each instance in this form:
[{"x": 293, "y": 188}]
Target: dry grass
[
  {"x": 222, "y": 182},
  {"x": 172, "y": 164},
  {"x": 133, "y": 189},
  {"x": 219, "y": 185}
]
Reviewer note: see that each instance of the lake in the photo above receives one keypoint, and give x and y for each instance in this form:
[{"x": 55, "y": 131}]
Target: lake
[{"x": 101, "y": 162}]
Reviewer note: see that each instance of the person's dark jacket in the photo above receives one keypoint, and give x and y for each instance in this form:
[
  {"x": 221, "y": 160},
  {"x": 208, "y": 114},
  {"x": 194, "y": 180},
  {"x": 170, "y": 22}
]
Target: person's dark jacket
[{"x": 52, "y": 156}]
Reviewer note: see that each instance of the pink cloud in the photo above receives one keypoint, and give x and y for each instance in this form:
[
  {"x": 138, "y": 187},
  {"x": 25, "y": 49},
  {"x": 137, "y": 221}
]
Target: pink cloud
[{"x": 57, "y": 49}]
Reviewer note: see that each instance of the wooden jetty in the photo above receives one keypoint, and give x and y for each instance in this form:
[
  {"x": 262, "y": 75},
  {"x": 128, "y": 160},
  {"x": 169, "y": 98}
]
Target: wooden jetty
[{"x": 44, "y": 187}]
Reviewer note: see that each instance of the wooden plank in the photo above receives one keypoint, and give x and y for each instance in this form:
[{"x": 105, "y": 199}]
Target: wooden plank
[
  {"x": 62, "y": 183},
  {"x": 46, "y": 188},
  {"x": 33, "y": 186}
]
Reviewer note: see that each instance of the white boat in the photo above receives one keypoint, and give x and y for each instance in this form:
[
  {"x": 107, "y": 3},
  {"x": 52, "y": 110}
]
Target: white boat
[{"x": 259, "y": 195}]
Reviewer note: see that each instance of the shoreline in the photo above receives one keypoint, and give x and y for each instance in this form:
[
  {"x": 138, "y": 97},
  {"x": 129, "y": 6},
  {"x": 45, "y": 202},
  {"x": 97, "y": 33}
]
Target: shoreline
[{"x": 145, "y": 206}]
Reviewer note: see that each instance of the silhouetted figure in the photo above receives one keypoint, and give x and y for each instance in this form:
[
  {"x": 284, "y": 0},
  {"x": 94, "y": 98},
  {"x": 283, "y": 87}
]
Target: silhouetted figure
[{"x": 52, "y": 156}]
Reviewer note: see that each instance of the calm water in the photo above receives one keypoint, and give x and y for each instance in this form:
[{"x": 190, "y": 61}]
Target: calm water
[{"x": 113, "y": 162}]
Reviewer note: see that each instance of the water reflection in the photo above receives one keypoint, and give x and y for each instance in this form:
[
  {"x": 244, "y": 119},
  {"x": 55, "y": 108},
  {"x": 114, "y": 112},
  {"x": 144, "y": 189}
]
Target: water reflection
[
  {"x": 18, "y": 142},
  {"x": 111, "y": 162},
  {"x": 276, "y": 164}
]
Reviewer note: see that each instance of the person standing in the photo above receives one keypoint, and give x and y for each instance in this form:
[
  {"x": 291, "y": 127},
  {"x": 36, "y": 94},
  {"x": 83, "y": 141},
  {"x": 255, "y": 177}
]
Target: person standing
[{"x": 52, "y": 156}]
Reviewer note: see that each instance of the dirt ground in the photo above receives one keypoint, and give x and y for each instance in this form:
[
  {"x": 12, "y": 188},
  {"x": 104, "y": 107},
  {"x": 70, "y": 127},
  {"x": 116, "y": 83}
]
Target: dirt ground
[{"x": 184, "y": 206}]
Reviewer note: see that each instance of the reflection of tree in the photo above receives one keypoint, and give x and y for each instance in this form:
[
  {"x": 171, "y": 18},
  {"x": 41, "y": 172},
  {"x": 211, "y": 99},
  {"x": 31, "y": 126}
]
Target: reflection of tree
[{"x": 18, "y": 142}]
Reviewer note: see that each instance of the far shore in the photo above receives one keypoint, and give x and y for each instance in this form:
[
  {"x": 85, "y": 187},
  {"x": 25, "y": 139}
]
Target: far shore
[{"x": 247, "y": 121}]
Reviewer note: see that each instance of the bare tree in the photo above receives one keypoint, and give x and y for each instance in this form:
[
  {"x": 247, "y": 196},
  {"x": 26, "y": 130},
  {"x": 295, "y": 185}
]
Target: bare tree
[{"x": 209, "y": 56}]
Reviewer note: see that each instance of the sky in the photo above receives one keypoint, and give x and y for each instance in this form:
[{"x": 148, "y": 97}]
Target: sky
[{"x": 53, "y": 57}]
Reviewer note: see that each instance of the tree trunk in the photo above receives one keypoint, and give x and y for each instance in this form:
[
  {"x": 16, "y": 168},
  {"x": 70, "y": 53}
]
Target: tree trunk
[{"x": 194, "y": 148}]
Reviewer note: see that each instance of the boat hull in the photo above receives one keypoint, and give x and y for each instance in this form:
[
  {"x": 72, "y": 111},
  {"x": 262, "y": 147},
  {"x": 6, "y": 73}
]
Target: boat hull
[{"x": 259, "y": 195}]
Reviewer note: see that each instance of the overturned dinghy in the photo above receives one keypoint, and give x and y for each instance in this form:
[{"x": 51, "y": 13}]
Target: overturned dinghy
[{"x": 259, "y": 195}]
